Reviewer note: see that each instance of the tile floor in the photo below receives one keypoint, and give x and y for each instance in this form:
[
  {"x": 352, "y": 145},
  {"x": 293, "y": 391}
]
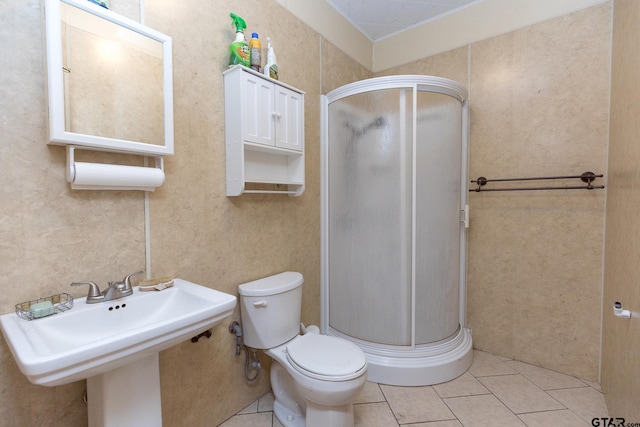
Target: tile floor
[{"x": 494, "y": 392}]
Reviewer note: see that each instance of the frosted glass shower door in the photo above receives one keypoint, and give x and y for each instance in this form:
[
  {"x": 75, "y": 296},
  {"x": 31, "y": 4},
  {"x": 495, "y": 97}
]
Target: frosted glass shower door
[
  {"x": 369, "y": 216},
  {"x": 393, "y": 199},
  {"x": 394, "y": 208},
  {"x": 438, "y": 153}
]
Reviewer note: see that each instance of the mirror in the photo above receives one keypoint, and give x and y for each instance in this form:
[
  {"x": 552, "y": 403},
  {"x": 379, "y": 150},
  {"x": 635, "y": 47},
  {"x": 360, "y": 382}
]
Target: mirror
[{"x": 110, "y": 83}]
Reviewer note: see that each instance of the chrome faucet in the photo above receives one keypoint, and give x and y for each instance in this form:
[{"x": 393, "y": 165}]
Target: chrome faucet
[{"x": 114, "y": 291}]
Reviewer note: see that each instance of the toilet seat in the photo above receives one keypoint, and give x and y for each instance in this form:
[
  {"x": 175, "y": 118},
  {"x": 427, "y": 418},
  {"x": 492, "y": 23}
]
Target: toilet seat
[{"x": 326, "y": 358}]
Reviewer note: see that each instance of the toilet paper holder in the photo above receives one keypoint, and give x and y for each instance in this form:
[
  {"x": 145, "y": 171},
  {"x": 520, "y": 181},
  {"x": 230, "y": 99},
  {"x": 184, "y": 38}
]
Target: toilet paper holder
[
  {"x": 618, "y": 311},
  {"x": 99, "y": 176}
]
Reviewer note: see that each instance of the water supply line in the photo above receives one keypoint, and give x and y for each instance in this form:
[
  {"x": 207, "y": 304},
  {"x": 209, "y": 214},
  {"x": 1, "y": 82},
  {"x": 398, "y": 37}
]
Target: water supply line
[{"x": 249, "y": 365}]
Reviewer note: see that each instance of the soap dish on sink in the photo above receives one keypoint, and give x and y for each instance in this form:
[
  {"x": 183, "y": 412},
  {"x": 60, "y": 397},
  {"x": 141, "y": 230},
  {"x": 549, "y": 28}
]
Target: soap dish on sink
[{"x": 43, "y": 307}]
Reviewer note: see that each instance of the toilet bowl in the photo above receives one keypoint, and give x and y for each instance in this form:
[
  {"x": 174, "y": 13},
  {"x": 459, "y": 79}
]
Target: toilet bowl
[
  {"x": 326, "y": 373},
  {"x": 315, "y": 378}
]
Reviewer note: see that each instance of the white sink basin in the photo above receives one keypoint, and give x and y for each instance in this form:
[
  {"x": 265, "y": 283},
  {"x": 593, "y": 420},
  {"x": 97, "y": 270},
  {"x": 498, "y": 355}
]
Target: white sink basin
[{"x": 92, "y": 339}]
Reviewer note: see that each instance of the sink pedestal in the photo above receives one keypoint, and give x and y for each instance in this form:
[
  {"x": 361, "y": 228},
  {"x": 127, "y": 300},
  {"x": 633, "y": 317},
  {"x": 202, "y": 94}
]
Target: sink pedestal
[{"x": 126, "y": 397}]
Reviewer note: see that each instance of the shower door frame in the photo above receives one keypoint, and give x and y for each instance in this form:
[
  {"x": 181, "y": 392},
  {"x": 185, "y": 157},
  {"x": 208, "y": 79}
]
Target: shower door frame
[{"x": 422, "y": 364}]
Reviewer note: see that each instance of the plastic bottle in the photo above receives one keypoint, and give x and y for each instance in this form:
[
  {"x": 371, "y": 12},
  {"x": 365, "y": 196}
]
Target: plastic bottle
[
  {"x": 256, "y": 51},
  {"x": 239, "y": 49},
  {"x": 271, "y": 68}
]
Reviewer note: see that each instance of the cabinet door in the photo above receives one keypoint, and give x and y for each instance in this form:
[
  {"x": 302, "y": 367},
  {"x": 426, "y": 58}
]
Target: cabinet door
[
  {"x": 258, "y": 110},
  {"x": 289, "y": 107}
]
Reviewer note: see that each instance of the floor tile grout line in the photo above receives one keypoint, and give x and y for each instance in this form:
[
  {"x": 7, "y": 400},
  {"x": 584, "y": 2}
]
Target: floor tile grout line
[
  {"x": 392, "y": 412},
  {"x": 555, "y": 410},
  {"x": 547, "y": 410},
  {"x": 572, "y": 388},
  {"x": 516, "y": 413},
  {"x": 496, "y": 375},
  {"x": 584, "y": 383},
  {"x": 547, "y": 369},
  {"x": 463, "y": 395},
  {"x": 455, "y": 418},
  {"x": 565, "y": 406},
  {"x": 429, "y": 422},
  {"x": 505, "y": 362},
  {"x": 386, "y": 400},
  {"x": 452, "y": 411},
  {"x": 368, "y": 403},
  {"x": 572, "y": 411}
]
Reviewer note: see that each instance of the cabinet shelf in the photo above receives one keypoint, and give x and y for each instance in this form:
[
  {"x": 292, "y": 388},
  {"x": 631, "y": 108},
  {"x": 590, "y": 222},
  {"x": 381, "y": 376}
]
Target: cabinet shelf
[
  {"x": 270, "y": 149},
  {"x": 264, "y": 181},
  {"x": 264, "y": 132},
  {"x": 289, "y": 192}
]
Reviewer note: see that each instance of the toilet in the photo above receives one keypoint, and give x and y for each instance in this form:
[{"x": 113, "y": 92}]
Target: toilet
[{"x": 315, "y": 378}]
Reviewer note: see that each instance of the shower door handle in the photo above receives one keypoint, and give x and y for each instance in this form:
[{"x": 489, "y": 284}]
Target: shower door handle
[{"x": 464, "y": 216}]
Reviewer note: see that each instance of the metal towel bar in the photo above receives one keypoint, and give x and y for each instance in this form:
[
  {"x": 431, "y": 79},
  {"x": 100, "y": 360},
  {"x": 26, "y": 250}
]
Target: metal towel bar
[{"x": 586, "y": 177}]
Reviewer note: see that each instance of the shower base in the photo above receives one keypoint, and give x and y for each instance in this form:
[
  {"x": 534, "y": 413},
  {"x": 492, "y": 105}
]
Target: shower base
[{"x": 419, "y": 366}]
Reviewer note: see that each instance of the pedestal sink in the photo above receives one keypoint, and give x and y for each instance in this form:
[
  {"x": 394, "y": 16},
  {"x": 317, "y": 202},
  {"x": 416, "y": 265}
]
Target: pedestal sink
[{"x": 115, "y": 346}]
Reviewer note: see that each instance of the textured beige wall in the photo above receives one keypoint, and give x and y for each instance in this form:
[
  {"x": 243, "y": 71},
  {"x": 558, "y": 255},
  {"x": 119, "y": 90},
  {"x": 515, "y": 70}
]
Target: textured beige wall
[
  {"x": 539, "y": 101},
  {"x": 453, "y": 64},
  {"x": 52, "y": 236},
  {"x": 539, "y": 107},
  {"x": 326, "y": 20},
  {"x": 621, "y": 337},
  {"x": 478, "y": 21}
]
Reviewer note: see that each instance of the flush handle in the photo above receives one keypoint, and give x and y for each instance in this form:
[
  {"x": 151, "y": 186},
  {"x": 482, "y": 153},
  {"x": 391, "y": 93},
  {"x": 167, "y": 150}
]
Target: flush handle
[{"x": 260, "y": 304}]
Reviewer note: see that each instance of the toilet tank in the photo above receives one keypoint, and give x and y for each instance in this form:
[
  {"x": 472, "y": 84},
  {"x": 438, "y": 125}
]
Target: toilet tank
[{"x": 270, "y": 309}]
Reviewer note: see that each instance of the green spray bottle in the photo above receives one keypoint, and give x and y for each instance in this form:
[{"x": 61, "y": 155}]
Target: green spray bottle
[{"x": 239, "y": 49}]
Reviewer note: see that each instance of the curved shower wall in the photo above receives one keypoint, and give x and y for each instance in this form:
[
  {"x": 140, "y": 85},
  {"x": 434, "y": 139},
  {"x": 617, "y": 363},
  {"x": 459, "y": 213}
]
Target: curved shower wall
[{"x": 394, "y": 192}]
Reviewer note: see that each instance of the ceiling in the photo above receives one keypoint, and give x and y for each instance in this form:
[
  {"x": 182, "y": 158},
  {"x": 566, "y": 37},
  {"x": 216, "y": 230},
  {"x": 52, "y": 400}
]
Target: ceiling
[{"x": 378, "y": 19}]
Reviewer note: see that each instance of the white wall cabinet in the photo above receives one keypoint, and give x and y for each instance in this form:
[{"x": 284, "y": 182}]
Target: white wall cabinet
[{"x": 264, "y": 132}]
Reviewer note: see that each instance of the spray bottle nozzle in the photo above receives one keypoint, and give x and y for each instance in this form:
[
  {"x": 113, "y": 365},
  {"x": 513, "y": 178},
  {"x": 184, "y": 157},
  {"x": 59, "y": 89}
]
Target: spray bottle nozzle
[{"x": 238, "y": 22}]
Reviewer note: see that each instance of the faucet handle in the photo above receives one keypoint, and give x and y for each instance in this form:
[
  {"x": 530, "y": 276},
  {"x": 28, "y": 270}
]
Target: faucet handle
[
  {"x": 94, "y": 291},
  {"x": 127, "y": 279},
  {"x": 116, "y": 285}
]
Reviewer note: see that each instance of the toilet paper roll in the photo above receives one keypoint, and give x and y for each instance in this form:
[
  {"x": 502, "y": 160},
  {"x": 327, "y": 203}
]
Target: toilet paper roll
[{"x": 98, "y": 176}]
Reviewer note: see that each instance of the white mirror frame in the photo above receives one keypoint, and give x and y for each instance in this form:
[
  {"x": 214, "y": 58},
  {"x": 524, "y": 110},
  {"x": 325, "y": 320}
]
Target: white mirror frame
[{"x": 58, "y": 135}]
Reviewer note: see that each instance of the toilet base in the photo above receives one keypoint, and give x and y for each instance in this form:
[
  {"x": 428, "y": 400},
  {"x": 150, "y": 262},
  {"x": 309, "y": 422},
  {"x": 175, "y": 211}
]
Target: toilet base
[
  {"x": 287, "y": 417},
  {"x": 334, "y": 416},
  {"x": 316, "y": 416}
]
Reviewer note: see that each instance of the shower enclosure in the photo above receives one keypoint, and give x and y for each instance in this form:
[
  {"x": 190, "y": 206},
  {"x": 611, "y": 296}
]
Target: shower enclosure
[{"x": 394, "y": 216}]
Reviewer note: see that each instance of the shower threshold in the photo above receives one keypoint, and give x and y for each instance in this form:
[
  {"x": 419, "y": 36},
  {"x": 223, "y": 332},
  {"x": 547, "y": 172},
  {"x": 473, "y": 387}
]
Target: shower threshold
[{"x": 417, "y": 366}]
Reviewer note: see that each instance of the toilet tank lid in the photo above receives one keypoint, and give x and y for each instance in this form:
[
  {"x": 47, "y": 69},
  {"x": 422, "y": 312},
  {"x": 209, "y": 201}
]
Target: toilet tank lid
[{"x": 271, "y": 285}]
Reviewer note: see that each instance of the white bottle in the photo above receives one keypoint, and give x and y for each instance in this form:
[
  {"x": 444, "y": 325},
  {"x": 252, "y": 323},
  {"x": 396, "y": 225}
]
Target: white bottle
[{"x": 271, "y": 68}]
